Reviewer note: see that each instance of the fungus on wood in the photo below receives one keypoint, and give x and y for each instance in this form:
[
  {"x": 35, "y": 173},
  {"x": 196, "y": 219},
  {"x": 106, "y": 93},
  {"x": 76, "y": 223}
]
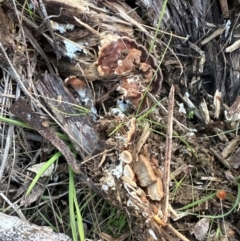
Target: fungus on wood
[
  {"x": 136, "y": 69},
  {"x": 155, "y": 190},
  {"x": 143, "y": 169},
  {"x": 126, "y": 157}
]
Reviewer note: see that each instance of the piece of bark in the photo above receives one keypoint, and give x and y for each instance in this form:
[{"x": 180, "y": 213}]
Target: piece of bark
[
  {"x": 66, "y": 69},
  {"x": 79, "y": 127},
  {"x": 185, "y": 18},
  {"x": 5, "y": 35},
  {"x": 24, "y": 112},
  {"x": 7, "y": 41},
  {"x": 15, "y": 229},
  {"x": 87, "y": 12}
]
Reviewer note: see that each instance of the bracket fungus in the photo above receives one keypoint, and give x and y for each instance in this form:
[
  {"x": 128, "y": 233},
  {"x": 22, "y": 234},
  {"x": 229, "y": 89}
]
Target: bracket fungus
[
  {"x": 136, "y": 68},
  {"x": 155, "y": 190},
  {"x": 143, "y": 169}
]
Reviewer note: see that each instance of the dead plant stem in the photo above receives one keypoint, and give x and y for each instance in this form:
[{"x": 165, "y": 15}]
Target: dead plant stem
[
  {"x": 6, "y": 150},
  {"x": 14, "y": 206},
  {"x": 179, "y": 235},
  {"x": 168, "y": 151}
]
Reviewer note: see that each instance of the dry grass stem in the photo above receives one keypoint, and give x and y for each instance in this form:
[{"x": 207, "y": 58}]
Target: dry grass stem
[
  {"x": 6, "y": 153},
  {"x": 213, "y": 35},
  {"x": 179, "y": 235},
  {"x": 15, "y": 207}
]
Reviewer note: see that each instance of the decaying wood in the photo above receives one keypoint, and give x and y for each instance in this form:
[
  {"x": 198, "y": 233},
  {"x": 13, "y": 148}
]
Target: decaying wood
[
  {"x": 15, "y": 229},
  {"x": 23, "y": 111},
  {"x": 87, "y": 12},
  {"x": 79, "y": 127},
  {"x": 193, "y": 19},
  {"x": 7, "y": 42},
  {"x": 5, "y": 35}
]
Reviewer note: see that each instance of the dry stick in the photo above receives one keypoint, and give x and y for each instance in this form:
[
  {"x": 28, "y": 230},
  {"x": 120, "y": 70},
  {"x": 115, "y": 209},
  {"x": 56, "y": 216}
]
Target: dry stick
[
  {"x": 92, "y": 30},
  {"x": 222, "y": 160},
  {"x": 14, "y": 206},
  {"x": 179, "y": 235},
  {"x": 46, "y": 18},
  {"x": 166, "y": 175},
  {"x": 6, "y": 150},
  {"x": 213, "y": 35},
  {"x": 224, "y": 8}
]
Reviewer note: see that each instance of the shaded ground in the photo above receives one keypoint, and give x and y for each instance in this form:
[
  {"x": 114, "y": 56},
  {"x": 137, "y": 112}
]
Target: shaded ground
[{"x": 97, "y": 90}]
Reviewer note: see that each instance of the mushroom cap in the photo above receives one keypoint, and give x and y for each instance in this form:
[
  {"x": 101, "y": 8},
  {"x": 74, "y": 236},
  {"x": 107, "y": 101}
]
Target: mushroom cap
[
  {"x": 131, "y": 131},
  {"x": 143, "y": 169},
  {"x": 126, "y": 156},
  {"x": 74, "y": 82},
  {"x": 79, "y": 86}
]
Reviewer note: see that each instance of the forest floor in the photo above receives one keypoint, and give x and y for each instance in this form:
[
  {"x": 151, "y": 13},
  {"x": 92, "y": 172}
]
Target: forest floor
[{"x": 106, "y": 133}]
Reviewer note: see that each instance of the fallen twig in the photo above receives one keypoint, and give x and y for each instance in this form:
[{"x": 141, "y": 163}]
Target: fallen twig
[{"x": 168, "y": 151}]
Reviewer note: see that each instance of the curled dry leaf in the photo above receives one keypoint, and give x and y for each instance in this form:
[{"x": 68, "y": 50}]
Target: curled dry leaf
[
  {"x": 201, "y": 229},
  {"x": 37, "y": 167},
  {"x": 143, "y": 169}
]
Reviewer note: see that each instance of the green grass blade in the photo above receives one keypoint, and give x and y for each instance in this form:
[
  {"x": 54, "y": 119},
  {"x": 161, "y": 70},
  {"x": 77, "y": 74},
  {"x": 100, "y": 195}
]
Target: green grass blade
[
  {"x": 79, "y": 219},
  {"x": 237, "y": 202},
  {"x": 74, "y": 203},
  {"x": 71, "y": 204},
  {"x": 15, "y": 122},
  {"x": 158, "y": 25},
  {"x": 198, "y": 202},
  {"x": 42, "y": 170}
]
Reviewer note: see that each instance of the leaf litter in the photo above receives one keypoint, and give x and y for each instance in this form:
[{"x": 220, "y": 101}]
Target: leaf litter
[{"x": 158, "y": 157}]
